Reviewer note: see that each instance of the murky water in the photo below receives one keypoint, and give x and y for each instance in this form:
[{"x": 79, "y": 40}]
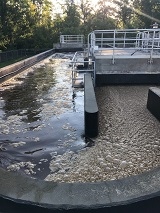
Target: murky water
[{"x": 40, "y": 115}]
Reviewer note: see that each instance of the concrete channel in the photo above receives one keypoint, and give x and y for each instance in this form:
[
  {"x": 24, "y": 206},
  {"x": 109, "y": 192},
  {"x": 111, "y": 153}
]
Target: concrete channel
[{"x": 141, "y": 193}]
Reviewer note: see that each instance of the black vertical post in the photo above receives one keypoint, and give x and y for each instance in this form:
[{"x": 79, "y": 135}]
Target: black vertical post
[{"x": 90, "y": 108}]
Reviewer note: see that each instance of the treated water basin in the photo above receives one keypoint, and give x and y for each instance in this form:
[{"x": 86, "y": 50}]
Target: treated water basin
[{"x": 41, "y": 116}]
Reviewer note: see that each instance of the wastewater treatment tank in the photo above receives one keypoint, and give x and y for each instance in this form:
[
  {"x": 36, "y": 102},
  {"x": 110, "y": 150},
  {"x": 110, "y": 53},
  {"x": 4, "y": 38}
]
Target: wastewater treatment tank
[
  {"x": 42, "y": 127},
  {"x": 42, "y": 138},
  {"x": 41, "y": 118}
]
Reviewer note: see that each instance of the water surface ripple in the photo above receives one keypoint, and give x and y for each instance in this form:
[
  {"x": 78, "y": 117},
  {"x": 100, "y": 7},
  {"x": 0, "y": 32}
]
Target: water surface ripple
[{"x": 40, "y": 116}]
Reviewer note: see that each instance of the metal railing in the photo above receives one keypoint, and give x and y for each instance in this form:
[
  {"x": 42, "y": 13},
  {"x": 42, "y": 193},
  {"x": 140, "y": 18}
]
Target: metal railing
[
  {"x": 12, "y": 54},
  {"x": 15, "y": 54},
  {"x": 147, "y": 40},
  {"x": 72, "y": 39},
  {"x": 85, "y": 64}
]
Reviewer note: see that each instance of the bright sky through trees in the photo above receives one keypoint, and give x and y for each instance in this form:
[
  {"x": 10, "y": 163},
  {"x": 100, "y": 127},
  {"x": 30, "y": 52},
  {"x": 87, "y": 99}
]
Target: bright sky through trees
[
  {"x": 57, "y": 3},
  {"x": 76, "y": 1}
]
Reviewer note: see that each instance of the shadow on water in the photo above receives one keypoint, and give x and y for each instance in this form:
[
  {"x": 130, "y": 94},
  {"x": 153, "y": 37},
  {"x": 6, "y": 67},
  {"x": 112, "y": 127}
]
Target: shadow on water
[
  {"x": 40, "y": 113},
  {"x": 24, "y": 96}
]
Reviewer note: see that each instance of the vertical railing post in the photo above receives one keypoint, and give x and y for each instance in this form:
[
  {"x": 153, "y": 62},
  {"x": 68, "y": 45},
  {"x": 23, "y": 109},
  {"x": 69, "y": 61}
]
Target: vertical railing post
[
  {"x": 94, "y": 72},
  {"x": 138, "y": 40},
  {"x": 159, "y": 39},
  {"x": 148, "y": 36},
  {"x": 101, "y": 39},
  {"x": 89, "y": 45},
  {"x": 124, "y": 43},
  {"x": 73, "y": 68},
  {"x": 92, "y": 42},
  {"x": 151, "y": 52},
  {"x": 114, "y": 43}
]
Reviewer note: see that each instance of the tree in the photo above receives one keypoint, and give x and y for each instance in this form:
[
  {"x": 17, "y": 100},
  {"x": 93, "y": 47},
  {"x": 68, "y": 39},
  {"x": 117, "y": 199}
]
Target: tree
[
  {"x": 4, "y": 29},
  {"x": 102, "y": 19},
  {"x": 30, "y": 23},
  {"x": 148, "y": 11},
  {"x": 71, "y": 22},
  {"x": 57, "y": 27},
  {"x": 20, "y": 20},
  {"x": 42, "y": 24},
  {"x": 123, "y": 13},
  {"x": 86, "y": 14}
]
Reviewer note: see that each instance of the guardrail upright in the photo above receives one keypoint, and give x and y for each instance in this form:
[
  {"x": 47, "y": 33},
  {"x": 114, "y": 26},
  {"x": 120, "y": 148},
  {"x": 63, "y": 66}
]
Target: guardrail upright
[
  {"x": 124, "y": 44},
  {"x": 89, "y": 45},
  {"x": 94, "y": 73},
  {"x": 151, "y": 52},
  {"x": 114, "y": 43},
  {"x": 73, "y": 67}
]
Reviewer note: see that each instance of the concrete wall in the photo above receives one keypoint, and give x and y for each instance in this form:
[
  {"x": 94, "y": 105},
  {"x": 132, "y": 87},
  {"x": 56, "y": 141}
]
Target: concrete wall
[
  {"x": 71, "y": 45},
  {"x": 90, "y": 108},
  {"x": 16, "y": 67},
  {"x": 140, "y": 193},
  {"x": 127, "y": 65},
  {"x": 122, "y": 79},
  {"x": 127, "y": 71},
  {"x": 153, "y": 102}
]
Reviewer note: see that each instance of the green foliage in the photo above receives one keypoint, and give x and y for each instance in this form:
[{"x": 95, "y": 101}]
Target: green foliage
[
  {"x": 35, "y": 24},
  {"x": 20, "y": 22},
  {"x": 102, "y": 19},
  {"x": 147, "y": 11},
  {"x": 86, "y": 12},
  {"x": 71, "y": 22},
  {"x": 123, "y": 13}
]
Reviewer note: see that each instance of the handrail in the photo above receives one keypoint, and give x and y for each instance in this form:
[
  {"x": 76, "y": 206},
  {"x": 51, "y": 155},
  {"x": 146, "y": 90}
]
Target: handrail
[
  {"x": 75, "y": 62},
  {"x": 147, "y": 40},
  {"x": 114, "y": 45},
  {"x": 72, "y": 39}
]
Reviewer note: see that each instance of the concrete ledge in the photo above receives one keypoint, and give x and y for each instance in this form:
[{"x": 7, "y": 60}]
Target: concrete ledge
[
  {"x": 139, "y": 193},
  {"x": 16, "y": 67},
  {"x": 69, "y": 49},
  {"x": 90, "y": 108},
  {"x": 71, "y": 45},
  {"x": 129, "y": 78},
  {"x": 153, "y": 102}
]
